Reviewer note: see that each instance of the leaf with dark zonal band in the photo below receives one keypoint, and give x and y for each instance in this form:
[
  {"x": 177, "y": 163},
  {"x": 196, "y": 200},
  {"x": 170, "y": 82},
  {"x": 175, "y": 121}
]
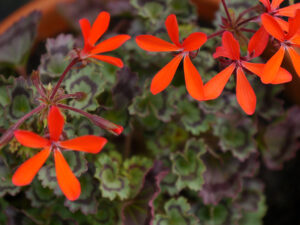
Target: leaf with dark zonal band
[
  {"x": 55, "y": 61},
  {"x": 6, "y": 186},
  {"x": 176, "y": 213},
  {"x": 16, "y": 42},
  {"x": 188, "y": 165},
  {"x": 87, "y": 202},
  {"x": 140, "y": 209},
  {"x": 223, "y": 176}
]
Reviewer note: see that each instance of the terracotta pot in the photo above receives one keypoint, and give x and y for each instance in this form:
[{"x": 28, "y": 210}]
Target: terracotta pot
[
  {"x": 206, "y": 8},
  {"x": 51, "y": 23}
]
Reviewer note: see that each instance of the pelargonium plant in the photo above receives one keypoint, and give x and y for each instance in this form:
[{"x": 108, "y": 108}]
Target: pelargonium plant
[{"x": 166, "y": 149}]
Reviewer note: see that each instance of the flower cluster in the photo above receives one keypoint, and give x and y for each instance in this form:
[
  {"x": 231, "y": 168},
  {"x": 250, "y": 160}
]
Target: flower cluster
[{"x": 285, "y": 35}]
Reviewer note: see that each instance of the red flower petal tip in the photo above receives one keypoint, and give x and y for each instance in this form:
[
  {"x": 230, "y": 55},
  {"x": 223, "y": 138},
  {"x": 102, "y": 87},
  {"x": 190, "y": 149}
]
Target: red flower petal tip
[{"x": 118, "y": 130}]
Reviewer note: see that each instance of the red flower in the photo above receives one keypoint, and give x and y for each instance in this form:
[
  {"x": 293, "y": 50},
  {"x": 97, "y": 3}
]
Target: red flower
[
  {"x": 164, "y": 77},
  {"x": 67, "y": 182},
  {"x": 245, "y": 95},
  {"x": 288, "y": 40},
  {"x": 91, "y": 36},
  {"x": 273, "y": 10}
]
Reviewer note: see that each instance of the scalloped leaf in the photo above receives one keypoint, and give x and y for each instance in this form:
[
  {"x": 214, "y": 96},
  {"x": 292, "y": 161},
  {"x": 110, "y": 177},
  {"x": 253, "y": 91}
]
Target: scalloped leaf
[
  {"x": 20, "y": 99},
  {"x": 213, "y": 215},
  {"x": 87, "y": 203},
  {"x": 89, "y": 81},
  {"x": 135, "y": 169},
  {"x": 161, "y": 106},
  {"x": 236, "y": 135},
  {"x": 107, "y": 214},
  {"x": 112, "y": 183},
  {"x": 193, "y": 119},
  {"x": 282, "y": 139},
  {"x": 223, "y": 176},
  {"x": 6, "y": 185},
  {"x": 39, "y": 195},
  {"x": 140, "y": 210},
  {"x": 188, "y": 165},
  {"x": 17, "y": 41},
  {"x": 177, "y": 213},
  {"x": 54, "y": 62}
]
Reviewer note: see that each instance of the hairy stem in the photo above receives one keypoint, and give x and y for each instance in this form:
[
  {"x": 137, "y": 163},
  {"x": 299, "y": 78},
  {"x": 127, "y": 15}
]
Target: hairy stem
[
  {"x": 248, "y": 20},
  {"x": 218, "y": 33},
  {"x": 227, "y": 11},
  {"x": 8, "y": 135},
  {"x": 62, "y": 77},
  {"x": 245, "y": 12}
]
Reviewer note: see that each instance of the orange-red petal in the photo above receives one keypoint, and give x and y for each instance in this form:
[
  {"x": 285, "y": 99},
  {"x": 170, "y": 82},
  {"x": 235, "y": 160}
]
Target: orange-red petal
[
  {"x": 214, "y": 87},
  {"x": 231, "y": 45},
  {"x": 110, "y": 44},
  {"x": 258, "y": 42},
  {"x": 266, "y": 3},
  {"x": 27, "y": 171},
  {"x": 283, "y": 76},
  {"x": 194, "y": 41},
  {"x": 109, "y": 59},
  {"x": 289, "y": 11},
  {"x": 67, "y": 181},
  {"x": 99, "y": 27},
  {"x": 295, "y": 57},
  {"x": 193, "y": 81},
  {"x": 272, "y": 66},
  {"x": 85, "y": 30},
  {"x": 244, "y": 93},
  {"x": 154, "y": 44},
  {"x": 172, "y": 28},
  {"x": 55, "y": 123},
  {"x": 294, "y": 25},
  {"x": 164, "y": 77},
  {"x": 87, "y": 143},
  {"x": 30, "y": 139},
  {"x": 276, "y": 3},
  {"x": 272, "y": 27},
  {"x": 282, "y": 23}
]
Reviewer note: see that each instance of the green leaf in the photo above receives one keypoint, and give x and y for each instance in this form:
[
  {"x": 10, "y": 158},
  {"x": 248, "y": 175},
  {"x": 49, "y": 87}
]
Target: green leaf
[
  {"x": 189, "y": 167},
  {"x": 112, "y": 183},
  {"x": 39, "y": 195},
  {"x": 55, "y": 61},
  {"x": 213, "y": 215},
  {"x": 236, "y": 135},
  {"x": 88, "y": 80},
  {"x": 176, "y": 213},
  {"x": 193, "y": 119},
  {"x": 6, "y": 185},
  {"x": 87, "y": 203}
]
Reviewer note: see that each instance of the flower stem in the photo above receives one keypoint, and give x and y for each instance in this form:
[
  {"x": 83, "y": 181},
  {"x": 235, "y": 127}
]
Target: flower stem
[
  {"x": 245, "y": 12},
  {"x": 227, "y": 11},
  {"x": 8, "y": 135},
  {"x": 97, "y": 120},
  {"x": 220, "y": 32},
  {"x": 72, "y": 63},
  {"x": 247, "y": 20}
]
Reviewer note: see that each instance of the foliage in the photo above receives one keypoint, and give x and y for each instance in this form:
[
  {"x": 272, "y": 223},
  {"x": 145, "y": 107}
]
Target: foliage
[{"x": 178, "y": 161}]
